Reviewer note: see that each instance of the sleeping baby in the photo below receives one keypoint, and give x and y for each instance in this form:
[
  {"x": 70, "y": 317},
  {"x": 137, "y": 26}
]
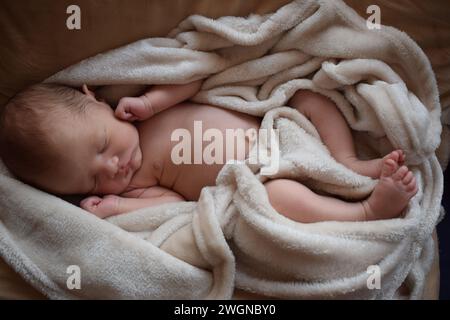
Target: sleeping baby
[{"x": 68, "y": 141}]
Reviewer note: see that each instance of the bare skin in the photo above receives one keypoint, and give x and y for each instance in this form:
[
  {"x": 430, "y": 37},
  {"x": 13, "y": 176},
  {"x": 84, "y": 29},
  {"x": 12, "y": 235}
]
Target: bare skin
[{"x": 158, "y": 180}]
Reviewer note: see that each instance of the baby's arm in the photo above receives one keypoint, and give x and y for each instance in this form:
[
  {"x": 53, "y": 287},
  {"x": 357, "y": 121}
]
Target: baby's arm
[
  {"x": 157, "y": 99},
  {"x": 111, "y": 205}
]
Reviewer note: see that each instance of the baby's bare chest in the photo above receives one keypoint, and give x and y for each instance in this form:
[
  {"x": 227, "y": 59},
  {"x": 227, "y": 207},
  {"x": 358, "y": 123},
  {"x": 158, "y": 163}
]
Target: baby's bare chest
[{"x": 185, "y": 147}]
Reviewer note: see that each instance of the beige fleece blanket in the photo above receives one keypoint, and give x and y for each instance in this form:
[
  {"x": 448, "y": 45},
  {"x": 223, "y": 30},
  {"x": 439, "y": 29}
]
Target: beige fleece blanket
[{"x": 232, "y": 238}]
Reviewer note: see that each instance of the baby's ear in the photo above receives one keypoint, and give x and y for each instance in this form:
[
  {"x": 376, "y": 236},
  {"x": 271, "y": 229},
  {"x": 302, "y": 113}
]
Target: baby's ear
[{"x": 87, "y": 91}]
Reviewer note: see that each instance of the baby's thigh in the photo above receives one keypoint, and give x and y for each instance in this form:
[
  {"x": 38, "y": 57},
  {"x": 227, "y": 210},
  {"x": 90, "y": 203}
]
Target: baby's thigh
[
  {"x": 311, "y": 104},
  {"x": 288, "y": 197}
]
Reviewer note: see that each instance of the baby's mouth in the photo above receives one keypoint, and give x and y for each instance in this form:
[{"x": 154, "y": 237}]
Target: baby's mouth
[
  {"x": 124, "y": 171},
  {"x": 127, "y": 168}
]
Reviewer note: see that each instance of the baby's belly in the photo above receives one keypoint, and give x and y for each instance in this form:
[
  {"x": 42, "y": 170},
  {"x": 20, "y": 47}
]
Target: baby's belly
[
  {"x": 192, "y": 178},
  {"x": 195, "y": 143}
]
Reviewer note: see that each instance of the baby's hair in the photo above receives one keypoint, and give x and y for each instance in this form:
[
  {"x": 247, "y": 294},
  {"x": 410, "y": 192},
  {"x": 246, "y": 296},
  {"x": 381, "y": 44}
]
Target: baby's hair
[{"x": 27, "y": 120}]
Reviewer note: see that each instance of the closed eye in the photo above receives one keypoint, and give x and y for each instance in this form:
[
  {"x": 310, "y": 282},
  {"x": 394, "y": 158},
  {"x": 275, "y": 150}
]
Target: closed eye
[
  {"x": 95, "y": 184},
  {"x": 105, "y": 145}
]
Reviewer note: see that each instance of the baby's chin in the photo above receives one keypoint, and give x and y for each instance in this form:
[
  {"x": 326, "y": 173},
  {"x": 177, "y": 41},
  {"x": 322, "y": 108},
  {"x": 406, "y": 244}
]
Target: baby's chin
[
  {"x": 124, "y": 183},
  {"x": 117, "y": 187}
]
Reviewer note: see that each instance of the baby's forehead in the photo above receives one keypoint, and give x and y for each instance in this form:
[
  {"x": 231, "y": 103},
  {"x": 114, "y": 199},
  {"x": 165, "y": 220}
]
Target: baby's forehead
[
  {"x": 61, "y": 123},
  {"x": 70, "y": 133},
  {"x": 86, "y": 126}
]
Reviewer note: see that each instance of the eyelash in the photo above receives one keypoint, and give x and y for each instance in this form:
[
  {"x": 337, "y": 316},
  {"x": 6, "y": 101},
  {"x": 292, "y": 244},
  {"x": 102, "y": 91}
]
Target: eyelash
[
  {"x": 104, "y": 147},
  {"x": 95, "y": 183},
  {"x": 101, "y": 151}
]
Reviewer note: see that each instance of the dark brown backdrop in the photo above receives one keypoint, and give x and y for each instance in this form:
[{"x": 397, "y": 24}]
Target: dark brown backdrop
[{"x": 35, "y": 43}]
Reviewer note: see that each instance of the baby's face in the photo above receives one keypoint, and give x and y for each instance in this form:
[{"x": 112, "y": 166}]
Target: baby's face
[{"x": 102, "y": 153}]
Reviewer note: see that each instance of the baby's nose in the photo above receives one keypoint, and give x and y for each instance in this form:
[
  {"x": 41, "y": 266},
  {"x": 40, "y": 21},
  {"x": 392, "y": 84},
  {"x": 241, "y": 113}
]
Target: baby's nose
[{"x": 112, "y": 166}]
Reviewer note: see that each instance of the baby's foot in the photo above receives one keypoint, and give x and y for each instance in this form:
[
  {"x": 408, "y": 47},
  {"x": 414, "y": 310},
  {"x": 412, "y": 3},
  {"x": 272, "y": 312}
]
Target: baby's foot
[
  {"x": 396, "y": 186},
  {"x": 372, "y": 168}
]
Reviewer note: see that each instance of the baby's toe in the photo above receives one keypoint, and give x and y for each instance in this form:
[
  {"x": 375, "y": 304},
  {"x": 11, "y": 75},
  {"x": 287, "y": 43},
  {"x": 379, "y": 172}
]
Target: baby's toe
[
  {"x": 407, "y": 178},
  {"x": 401, "y": 157},
  {"x": 400, "y": 173},
  {"x": 394, "y": 155},
  {"x": 388, "y": 168},
  {"x": 412, "y": 185}
]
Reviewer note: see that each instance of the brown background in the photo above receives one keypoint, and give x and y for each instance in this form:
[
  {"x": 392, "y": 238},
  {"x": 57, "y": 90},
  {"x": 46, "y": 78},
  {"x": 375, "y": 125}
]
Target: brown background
[{"x": 35, "y": 43}]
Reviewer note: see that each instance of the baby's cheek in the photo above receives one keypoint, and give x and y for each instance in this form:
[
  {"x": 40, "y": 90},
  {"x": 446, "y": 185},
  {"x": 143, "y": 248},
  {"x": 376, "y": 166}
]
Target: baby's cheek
[{"x": 112, "y": 187}]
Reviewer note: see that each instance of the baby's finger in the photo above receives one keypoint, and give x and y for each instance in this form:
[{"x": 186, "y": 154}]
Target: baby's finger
[
  {"x": 122, "y": 108},
  {"x": 120, "y": 111},
  {"x": 126, "y": 115},
  {"x": 90, "y": 203}
]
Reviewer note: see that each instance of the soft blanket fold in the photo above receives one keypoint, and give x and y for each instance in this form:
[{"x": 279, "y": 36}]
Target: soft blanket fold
[{"x": 380, "y": 80}]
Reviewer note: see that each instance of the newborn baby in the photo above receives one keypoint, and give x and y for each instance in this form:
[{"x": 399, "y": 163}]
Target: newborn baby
[{"x": 67, "y": 141}]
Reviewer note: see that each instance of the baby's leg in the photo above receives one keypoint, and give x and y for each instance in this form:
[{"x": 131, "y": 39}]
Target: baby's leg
[
  {"x": 390, "y": 196},
  {"x": 296, "y": 202},
  {"x": 335, "y": 133}
]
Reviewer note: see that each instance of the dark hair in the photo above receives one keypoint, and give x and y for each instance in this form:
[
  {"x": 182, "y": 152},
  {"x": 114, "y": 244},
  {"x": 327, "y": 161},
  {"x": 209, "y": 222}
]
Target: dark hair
[{"x": 26, "y": 123}]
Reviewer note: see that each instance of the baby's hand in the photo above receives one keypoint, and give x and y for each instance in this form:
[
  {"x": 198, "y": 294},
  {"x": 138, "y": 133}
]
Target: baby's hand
[
  {"x": 134, "y": 108},
  {"x": 102, "y": 207}
]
